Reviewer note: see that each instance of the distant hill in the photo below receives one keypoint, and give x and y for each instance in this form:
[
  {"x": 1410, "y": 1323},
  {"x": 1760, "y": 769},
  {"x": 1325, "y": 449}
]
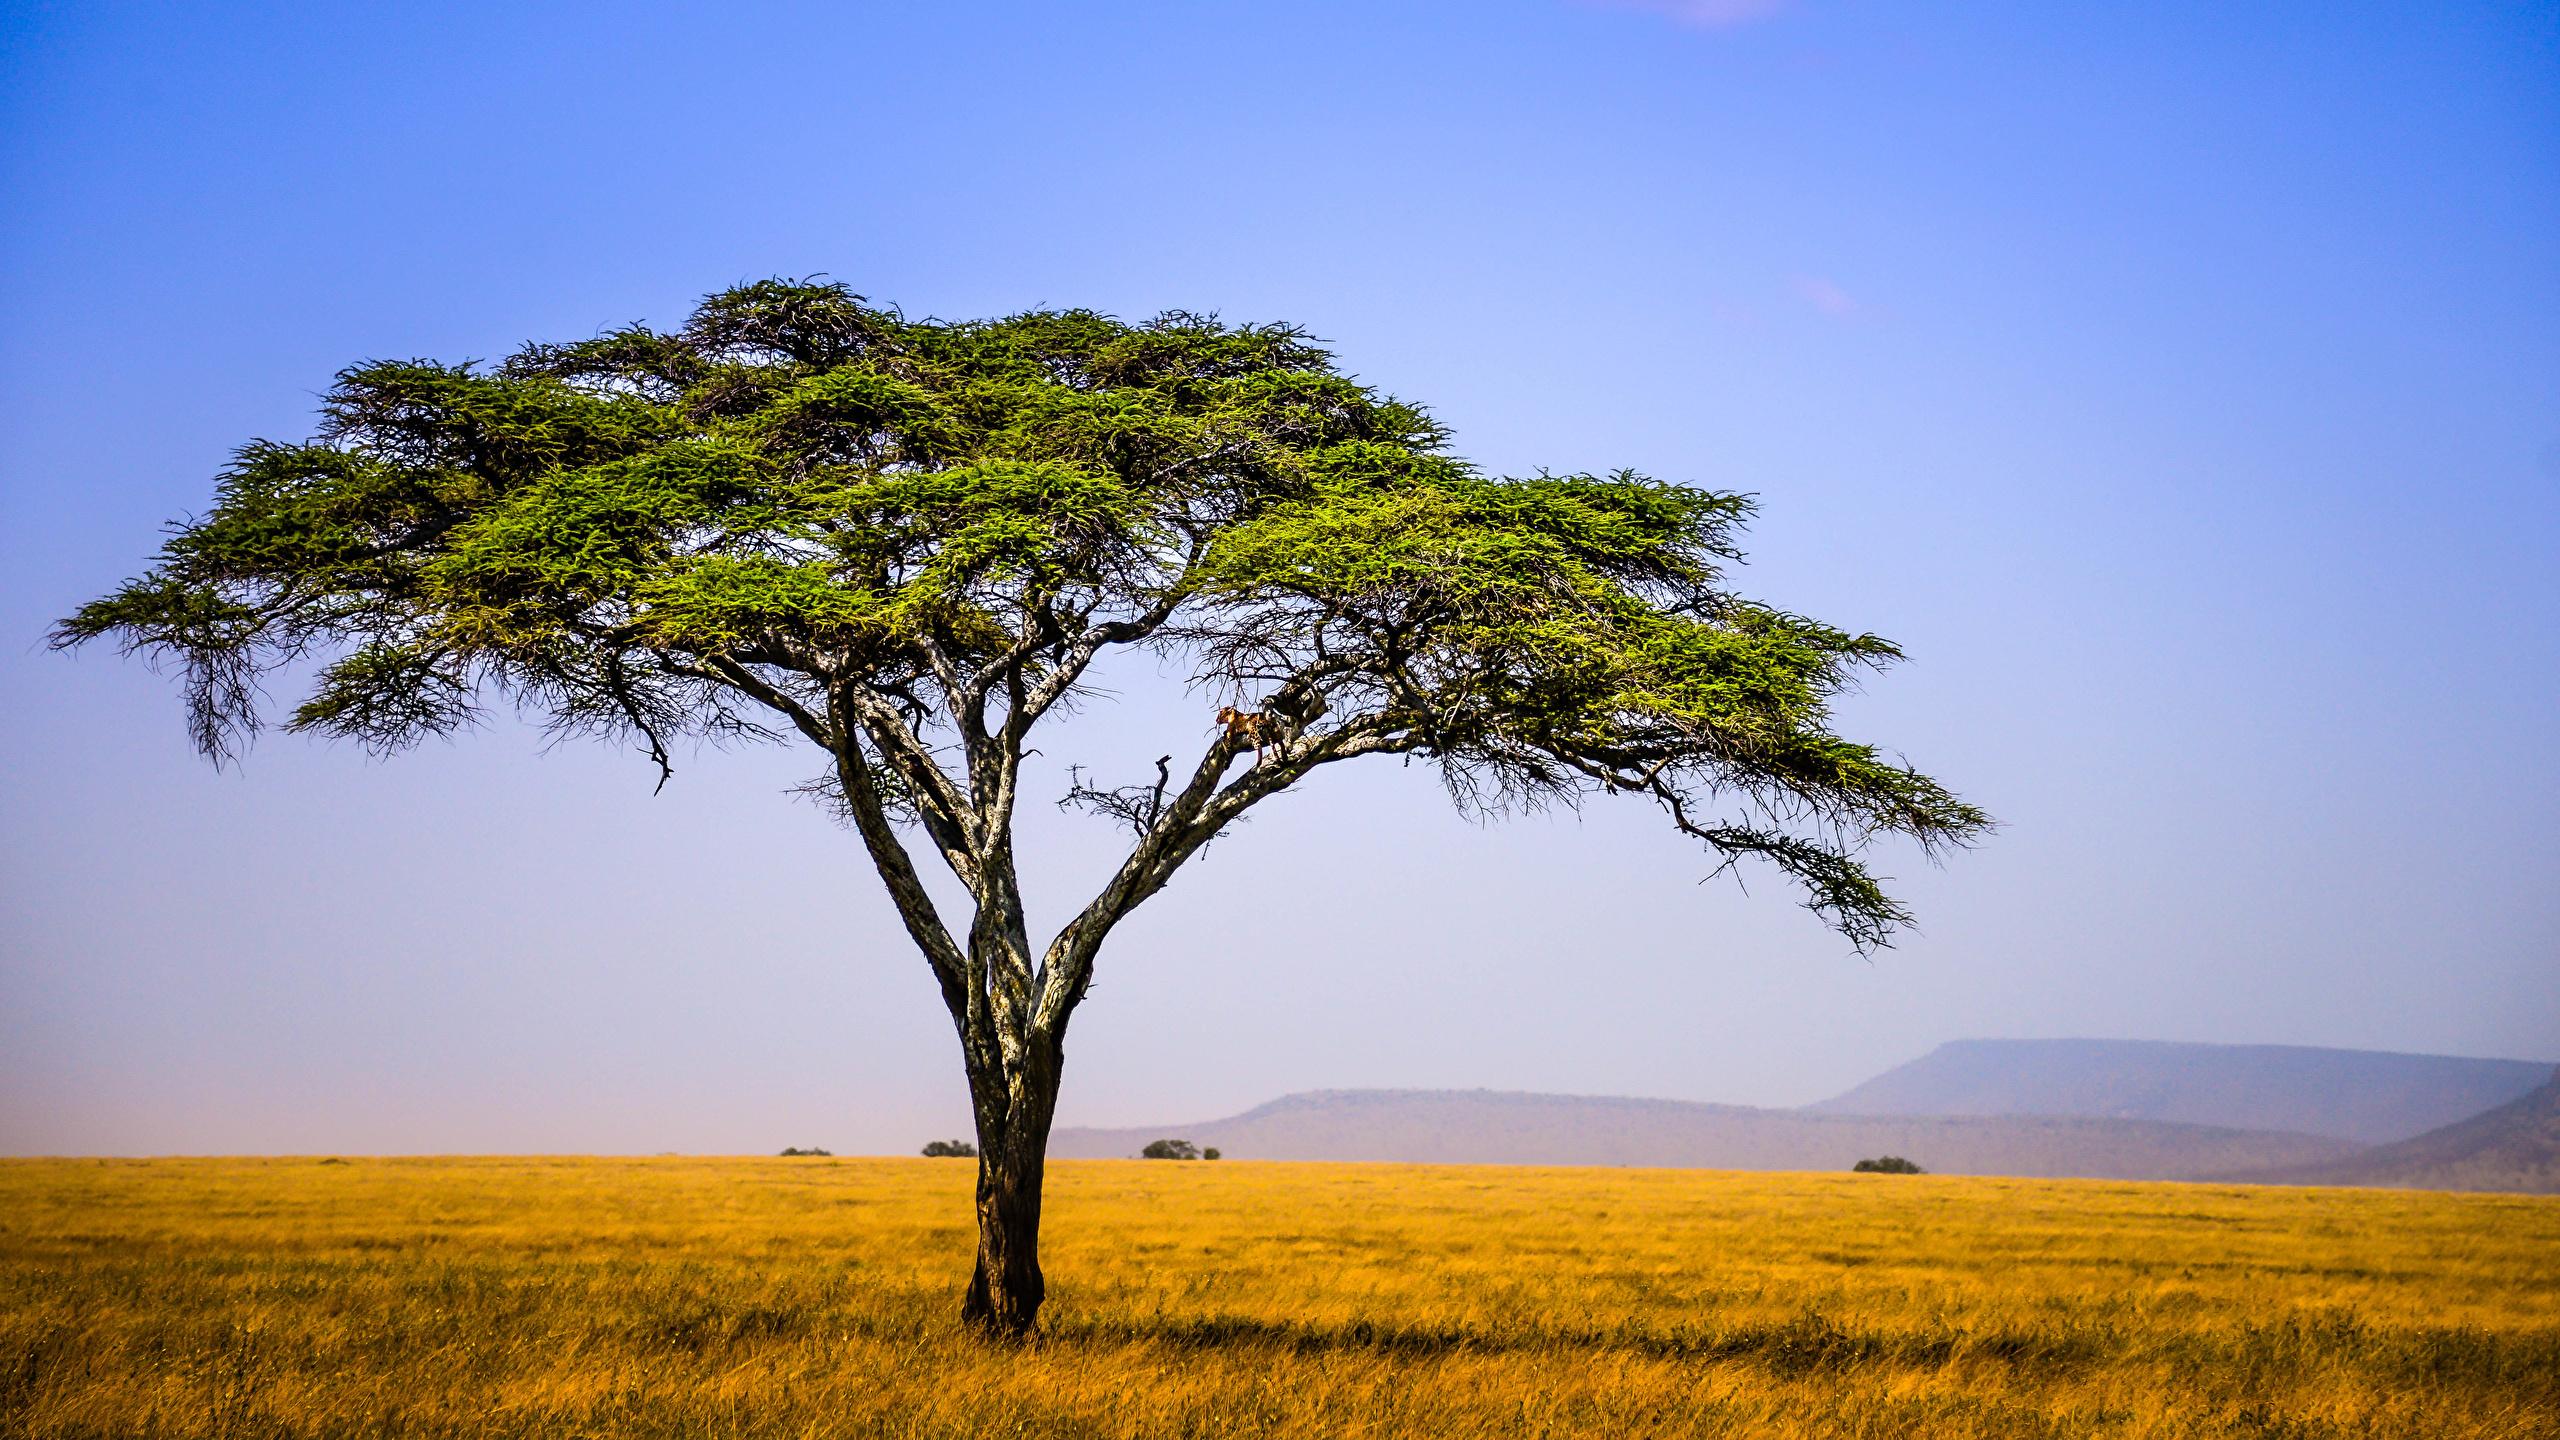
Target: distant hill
[
  {"x": 1492, "y": 1127},
  {"x": 2372, "y": 1097},
  {"x": 2514, "y": 1147}
]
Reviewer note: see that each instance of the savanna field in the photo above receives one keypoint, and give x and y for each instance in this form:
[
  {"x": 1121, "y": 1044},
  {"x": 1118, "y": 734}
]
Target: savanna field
[{"x": 820, "y": 1297}]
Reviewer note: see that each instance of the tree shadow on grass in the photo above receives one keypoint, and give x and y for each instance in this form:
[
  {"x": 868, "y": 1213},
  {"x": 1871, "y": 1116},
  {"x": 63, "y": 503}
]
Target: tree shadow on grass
[
  {"x": 1805, "y": 1343},
  {"x": 1811, "y": 1342}
]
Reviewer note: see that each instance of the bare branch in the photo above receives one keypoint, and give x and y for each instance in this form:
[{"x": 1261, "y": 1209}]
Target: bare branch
[
  {"x": 1199, "y": 814},
  {"x": 1135, "y": 806}
]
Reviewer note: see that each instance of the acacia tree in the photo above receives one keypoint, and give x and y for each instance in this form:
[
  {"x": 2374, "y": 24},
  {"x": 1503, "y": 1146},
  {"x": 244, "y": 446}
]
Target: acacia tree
[{"x": 807, "y": 519}]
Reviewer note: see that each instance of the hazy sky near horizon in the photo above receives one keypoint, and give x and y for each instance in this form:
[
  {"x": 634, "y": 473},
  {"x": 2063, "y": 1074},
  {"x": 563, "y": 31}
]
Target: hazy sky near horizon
[{"x": 2179, "y": 383}]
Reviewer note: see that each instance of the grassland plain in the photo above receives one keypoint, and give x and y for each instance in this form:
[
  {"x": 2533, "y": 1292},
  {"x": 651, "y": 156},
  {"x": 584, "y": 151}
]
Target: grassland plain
[{"x": 584, "y": 1297}]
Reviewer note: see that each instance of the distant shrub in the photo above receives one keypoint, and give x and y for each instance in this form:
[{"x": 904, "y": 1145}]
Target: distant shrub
[
  {"x": 1887, "y": 1165},
  {"x": 950, "y": 1149},
  {"x": 1170, "y": 1150},
  {"x": 1209, "y": 1154},
  {"x": 812, "y": 1150}
]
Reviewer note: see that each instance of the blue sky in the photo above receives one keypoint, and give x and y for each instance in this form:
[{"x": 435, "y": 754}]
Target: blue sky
[{"x": 2179, "y": 383}]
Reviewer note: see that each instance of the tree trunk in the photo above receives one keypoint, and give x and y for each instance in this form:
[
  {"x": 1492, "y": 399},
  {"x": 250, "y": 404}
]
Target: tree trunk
[{"x": 1006, "y": 1290}]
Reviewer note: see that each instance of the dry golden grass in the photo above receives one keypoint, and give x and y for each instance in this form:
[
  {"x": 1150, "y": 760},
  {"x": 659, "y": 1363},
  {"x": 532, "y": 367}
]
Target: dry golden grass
[{"x": 816, "y": 1297}]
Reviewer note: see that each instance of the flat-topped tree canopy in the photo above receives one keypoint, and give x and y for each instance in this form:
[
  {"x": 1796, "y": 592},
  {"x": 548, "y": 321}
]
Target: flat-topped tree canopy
[{"x": 906, "y": 541}]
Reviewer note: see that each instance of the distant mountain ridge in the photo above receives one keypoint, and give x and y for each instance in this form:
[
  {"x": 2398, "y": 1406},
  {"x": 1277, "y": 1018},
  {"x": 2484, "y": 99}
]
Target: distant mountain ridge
[
  {"x": 2371, "y": 1097},
  {"x": 1494, "y": 1127},
  {"x": 2513, "y": 1147}
]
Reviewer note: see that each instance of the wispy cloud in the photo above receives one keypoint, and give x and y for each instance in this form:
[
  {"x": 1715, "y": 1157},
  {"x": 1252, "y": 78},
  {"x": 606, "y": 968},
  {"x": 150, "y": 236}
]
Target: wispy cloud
[
  {"x": 1826, "y": 297},
  {"x": 1702, "y": 14}
]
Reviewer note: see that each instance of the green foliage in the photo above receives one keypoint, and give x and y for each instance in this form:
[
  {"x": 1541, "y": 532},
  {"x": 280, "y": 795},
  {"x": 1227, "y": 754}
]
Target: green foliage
[
  {"x": 950, "y": 1150},
  {"x": 792, "y": 1151},
  {"x": 1887, "y": 1165},
  {"x": 1169, "y": 1150},
  {"x": 804, "y": 512}
]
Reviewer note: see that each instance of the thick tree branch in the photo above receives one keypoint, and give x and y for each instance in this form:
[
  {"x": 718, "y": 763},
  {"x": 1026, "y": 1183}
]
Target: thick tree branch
[
  {"x": 947, "y": 813},
  {"x": 916, "y": 910}
]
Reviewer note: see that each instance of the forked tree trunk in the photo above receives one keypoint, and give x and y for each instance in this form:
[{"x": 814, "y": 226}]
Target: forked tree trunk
[{"x": 1006, "y": 1290}]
